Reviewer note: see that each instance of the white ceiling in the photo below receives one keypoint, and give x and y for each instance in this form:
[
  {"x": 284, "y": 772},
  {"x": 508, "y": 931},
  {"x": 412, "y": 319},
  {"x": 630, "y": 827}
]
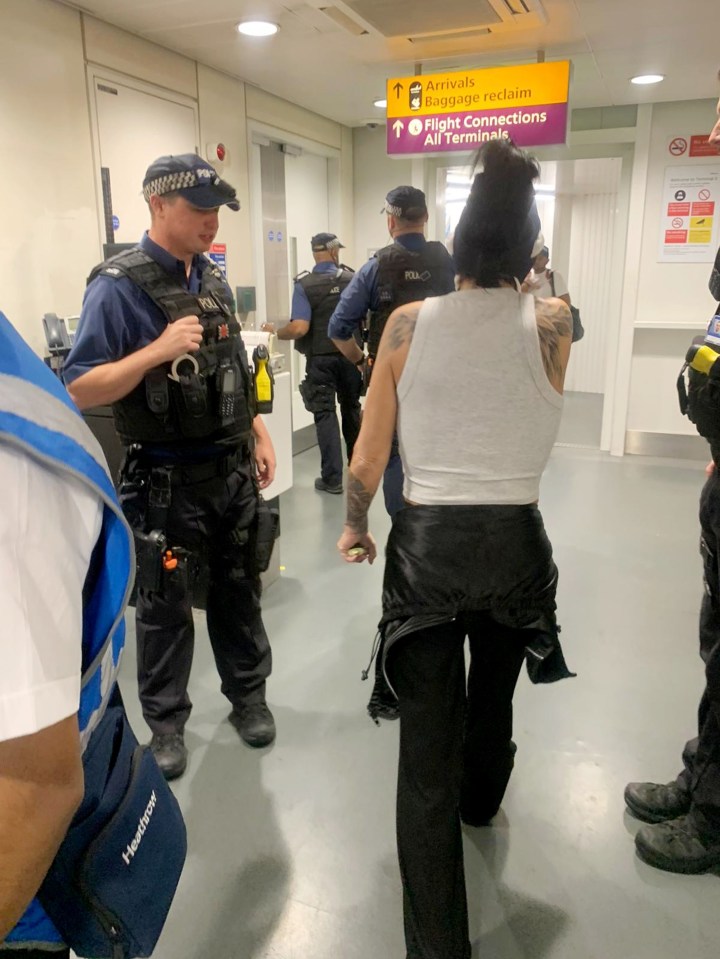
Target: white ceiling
[{"x": 338, "y": 70}]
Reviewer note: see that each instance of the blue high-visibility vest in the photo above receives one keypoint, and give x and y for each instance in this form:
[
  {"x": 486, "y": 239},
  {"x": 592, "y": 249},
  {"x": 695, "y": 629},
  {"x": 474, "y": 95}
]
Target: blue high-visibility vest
[{"x": 38, "y": 418}]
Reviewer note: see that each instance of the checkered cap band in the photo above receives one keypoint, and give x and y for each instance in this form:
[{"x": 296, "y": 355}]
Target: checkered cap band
[
  {"x": 393, "y": 210},
  {"x": 177, "y": 181}
]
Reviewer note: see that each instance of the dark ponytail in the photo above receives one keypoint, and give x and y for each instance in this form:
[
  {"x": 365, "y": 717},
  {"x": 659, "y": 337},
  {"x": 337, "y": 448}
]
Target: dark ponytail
[{"x": 499, "y": 225}]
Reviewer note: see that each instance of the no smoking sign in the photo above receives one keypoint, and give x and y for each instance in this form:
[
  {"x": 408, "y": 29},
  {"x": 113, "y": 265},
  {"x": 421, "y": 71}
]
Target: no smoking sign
[{"x": 678, "y": 146}]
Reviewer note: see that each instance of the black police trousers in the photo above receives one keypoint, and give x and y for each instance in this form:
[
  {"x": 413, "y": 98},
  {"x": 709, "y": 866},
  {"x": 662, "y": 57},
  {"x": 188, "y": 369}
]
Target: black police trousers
[
  {"x": 345, "y": 379},
  {"x": 212, "y": 519},
  {"x": 701, "y": 757}
]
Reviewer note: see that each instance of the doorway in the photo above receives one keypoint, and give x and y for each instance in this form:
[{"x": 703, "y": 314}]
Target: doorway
[
  {"x": 578, "y": 203},
  {"x": 294, "y": 186}
]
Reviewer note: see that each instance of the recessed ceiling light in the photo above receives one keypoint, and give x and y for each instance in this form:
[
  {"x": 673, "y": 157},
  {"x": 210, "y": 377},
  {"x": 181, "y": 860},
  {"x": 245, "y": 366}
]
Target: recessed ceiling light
[
  {"x": 257, "y": 28},
  {"x": 381, "y": 103},
  {"x": 647, "y": 78}
]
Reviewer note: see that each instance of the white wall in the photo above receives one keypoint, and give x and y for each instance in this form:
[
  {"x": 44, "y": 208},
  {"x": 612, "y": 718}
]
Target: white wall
[
  {"x": 668, "y": 293},
  {"x": 375, "y": 175},
  {"x": 51, "y": 235}
]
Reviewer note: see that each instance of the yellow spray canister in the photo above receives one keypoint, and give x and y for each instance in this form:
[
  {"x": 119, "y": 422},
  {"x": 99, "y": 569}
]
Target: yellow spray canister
[{"x": 264, "y": 380}]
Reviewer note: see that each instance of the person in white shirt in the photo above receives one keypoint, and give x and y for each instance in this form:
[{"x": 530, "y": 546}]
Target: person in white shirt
[{"x": 543, "y": 283}]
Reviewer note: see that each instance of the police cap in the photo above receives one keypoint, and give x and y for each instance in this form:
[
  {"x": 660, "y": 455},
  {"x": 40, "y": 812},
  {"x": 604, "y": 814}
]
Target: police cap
[
  {"x": 193, "y": 178},
  {"x": 325, "y": 241},
  {"x": 406, "y": 202}
]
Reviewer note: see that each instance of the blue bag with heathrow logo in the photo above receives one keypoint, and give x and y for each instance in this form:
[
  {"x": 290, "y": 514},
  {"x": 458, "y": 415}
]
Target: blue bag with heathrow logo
[{"x": 111, "y": 884}]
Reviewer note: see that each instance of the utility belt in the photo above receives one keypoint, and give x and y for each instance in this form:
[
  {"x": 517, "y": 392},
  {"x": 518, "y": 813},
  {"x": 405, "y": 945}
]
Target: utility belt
[
  {"x": 187, "y": 473},
  {"x": 146, "y": 491}
]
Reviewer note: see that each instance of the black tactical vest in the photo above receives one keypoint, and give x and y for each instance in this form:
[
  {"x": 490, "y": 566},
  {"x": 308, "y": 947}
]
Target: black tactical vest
[
  {"x": 323, "y": 292},
  {"x": 405, "y": 276},
  {"x": 204, "y": 397},
  {"x": 700, "y": 399}
]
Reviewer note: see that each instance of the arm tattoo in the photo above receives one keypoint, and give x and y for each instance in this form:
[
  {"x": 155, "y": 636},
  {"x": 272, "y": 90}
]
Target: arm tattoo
[
  {"x": 358, "y": 504},
  {"x": 553, "y": 321},
  {"x": 402, "y": 328}
]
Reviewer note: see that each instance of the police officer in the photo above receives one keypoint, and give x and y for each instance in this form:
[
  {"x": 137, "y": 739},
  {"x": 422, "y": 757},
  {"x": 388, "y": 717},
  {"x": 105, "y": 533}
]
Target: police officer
[
  {"x": 158, "y": 339},
  {"x": 328, "y": 373},
  {"x": 409, "y": 269},
  {"x": 684, "y": 815}
]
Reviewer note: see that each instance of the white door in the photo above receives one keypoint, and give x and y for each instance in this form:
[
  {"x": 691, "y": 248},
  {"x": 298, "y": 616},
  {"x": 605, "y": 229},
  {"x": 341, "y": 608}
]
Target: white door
[
  {"x": 306, "y": 203},
  {"x": 134, "y": 127}
]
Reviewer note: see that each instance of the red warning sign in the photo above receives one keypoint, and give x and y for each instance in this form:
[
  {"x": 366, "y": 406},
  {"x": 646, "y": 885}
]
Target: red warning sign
[
  {"x": 676, "y": 236},
  {"x": 678, "y": 209},
  {"x": 678, "y": 146},
  {"x": 699, "y": 147},
  {"x": 703, "y": 209}
]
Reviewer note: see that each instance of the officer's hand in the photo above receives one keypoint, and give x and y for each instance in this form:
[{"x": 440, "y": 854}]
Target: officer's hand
[
  {"x": 265, "y": 463},
  {"x": 182, "y": 336},
  {"x": 357, "y": 547}
]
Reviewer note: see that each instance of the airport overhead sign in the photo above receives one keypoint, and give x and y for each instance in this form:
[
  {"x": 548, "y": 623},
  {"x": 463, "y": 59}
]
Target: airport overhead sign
[{"x": 449, "y": 112}]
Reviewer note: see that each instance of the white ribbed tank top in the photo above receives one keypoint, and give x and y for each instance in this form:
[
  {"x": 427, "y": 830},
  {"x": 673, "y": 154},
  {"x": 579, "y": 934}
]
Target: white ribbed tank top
[{"x": 477, "y": 415}]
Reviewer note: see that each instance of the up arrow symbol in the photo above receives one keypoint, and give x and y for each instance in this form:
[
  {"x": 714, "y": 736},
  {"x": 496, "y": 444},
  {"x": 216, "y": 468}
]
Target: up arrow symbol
[
  {"x": 398, "y": 127},
  {"x": 398, "y": 89}
]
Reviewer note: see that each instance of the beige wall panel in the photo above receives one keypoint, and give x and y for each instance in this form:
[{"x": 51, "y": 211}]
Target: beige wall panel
[
  {"x": 49, "y": 240},
  {"x": 111, "y": 47},
  {"x": 275, "y": 112},
  {"x": 222, "y": 120}
]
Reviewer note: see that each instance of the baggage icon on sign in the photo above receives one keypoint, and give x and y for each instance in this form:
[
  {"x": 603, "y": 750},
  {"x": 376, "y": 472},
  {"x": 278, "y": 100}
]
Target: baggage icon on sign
[{"x": 415, "y": 95}]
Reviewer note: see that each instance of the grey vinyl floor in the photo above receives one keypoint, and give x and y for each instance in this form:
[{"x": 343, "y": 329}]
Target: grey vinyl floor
[{"x": 292, "y": 851}]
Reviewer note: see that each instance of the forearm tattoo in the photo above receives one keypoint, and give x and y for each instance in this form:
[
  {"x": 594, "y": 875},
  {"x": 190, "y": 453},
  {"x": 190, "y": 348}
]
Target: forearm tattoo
[
  {"x": 554, "y": 321},
  {"x": 358, "y": 504}
]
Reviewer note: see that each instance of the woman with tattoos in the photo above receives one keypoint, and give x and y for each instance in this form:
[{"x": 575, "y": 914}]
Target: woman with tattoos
[{"x": 473, "y": 380}]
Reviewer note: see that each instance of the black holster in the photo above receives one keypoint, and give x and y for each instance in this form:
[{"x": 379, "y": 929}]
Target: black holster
[{"x": 263, "y": 533}]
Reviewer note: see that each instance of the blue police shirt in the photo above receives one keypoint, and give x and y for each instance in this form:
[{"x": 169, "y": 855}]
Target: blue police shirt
[
  {"x": 361, "y": 293},
  {"x": 118, "y": 318},
  {"x": 301, "y": 309}
]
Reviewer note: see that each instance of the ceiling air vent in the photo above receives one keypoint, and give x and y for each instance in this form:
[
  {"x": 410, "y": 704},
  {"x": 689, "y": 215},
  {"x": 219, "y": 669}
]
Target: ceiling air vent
[
  {"x": 343, "y": 20},
  {"x": 429, "y": 19}
]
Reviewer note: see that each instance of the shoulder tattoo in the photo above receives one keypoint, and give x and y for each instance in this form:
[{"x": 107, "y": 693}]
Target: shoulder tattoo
[
  {"x": 554, "y": 321},
  {"x": 402, "y": 328}
]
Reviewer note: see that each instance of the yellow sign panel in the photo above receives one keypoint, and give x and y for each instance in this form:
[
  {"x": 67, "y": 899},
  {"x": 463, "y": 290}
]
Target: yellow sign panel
[
  {"x": 700, "y": 236},
  {"x": 477, "y": 90},
  {"x": 701, "y": 222}
]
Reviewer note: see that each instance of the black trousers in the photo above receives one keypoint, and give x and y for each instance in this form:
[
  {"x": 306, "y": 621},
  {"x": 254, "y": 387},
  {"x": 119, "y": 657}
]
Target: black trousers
[
  {"x": 345, "y": 379},
  {"x": 211, "y": 518},
  {"x": 455, "y": 754},
  {"x": 701, "y": 757}
]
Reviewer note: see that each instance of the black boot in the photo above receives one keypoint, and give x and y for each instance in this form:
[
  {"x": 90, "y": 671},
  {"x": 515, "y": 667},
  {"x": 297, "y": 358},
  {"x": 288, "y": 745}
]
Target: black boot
[
  {"x": 677, "y": 846},
  {"x": 653, "y": 802},
  {"x": 255, "y": 723},
  {"x": 170, "y": 753}
]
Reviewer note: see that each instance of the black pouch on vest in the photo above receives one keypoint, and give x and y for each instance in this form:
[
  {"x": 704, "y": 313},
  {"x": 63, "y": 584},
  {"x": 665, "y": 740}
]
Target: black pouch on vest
[{"x": 114, "y": 877}]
